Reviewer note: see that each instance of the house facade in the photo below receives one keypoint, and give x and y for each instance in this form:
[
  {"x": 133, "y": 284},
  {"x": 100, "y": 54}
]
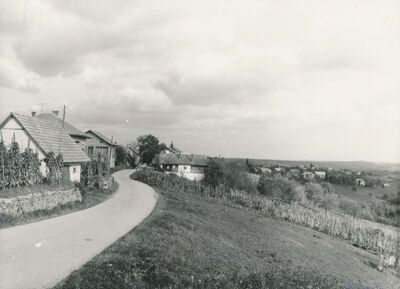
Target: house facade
[
  {"x": 44, "y": 136},
  {"x": 100, "y": 147},
  {"x": 189, "y": 166}
]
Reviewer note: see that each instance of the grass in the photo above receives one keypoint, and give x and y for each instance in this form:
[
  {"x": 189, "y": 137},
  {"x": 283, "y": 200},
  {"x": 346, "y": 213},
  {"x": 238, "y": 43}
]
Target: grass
[
  {"x": 39, "y": 188},
  {"x": 366, "y": 194},
  {"x": 191, "y": 241},
  {"x": 91, "y": 198},
  {"x": 369, "y": 235}
]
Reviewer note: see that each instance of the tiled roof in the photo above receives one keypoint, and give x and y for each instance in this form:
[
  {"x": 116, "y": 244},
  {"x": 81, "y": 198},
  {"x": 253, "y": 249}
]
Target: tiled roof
[
  {"x": 180, "y": 159},
  {"x": 52, "y": 138},
  {"x": 104, "y": 138},
  {"x": 67, "y": 127}
]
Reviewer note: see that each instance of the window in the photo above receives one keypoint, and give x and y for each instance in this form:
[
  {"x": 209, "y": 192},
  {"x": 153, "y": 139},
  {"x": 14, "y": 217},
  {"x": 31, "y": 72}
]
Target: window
[
  {"x": 74, "y": 170},
  {"x": 90, "y": 150}
]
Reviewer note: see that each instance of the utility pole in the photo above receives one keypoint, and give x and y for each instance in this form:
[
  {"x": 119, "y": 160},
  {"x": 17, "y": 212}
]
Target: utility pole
[{"x": 63, "y": 117}]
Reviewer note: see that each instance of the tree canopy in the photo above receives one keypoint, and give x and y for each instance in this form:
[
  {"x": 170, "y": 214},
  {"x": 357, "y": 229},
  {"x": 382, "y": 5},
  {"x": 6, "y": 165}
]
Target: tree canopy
[{"x": 149, "y": 146}]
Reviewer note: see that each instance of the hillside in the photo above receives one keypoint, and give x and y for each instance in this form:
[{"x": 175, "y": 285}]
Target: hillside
[
  {"x": 195, "y": 242},
  {"x": 350, "y": 165}
]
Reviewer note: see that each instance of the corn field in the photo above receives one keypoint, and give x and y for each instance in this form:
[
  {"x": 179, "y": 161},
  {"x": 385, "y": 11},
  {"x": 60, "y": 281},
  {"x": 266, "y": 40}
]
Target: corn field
[{"x": 378, "y": 238}]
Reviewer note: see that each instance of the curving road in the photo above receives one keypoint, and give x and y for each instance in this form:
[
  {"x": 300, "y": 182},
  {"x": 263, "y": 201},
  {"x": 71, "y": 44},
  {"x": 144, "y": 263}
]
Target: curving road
[{"x": 38, "y": 255}]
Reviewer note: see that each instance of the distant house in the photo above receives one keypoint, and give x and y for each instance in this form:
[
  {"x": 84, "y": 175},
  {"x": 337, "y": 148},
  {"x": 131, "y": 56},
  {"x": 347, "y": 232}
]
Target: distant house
[
  {"x": 172, "y": 150},
  {"x": 385, "y": 185},
  {"x": 265, "y": 170},
  {"x": 360, "y": 182},
  {"x": 189, "y": 166},
  {"x": 320, "y": 174},
  {"x": 308, "y": 175},
  {"x": 100, "y": 147},
  {"x": 43, "y": 136}
]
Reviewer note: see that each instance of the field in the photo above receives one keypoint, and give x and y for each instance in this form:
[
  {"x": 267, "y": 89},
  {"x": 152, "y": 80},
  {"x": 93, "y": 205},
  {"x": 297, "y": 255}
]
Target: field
[
  {"x": 195, "y": 242},
  {"x": 367, "y": 193}
]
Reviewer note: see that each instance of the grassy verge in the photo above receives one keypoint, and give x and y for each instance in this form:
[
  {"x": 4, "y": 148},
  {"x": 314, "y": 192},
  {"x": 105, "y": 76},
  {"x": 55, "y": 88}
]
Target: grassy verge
[
  {"x": 39, "y": 188},
  {"x": 193, "y": 242},
  {"x": 90, "y": 199}
]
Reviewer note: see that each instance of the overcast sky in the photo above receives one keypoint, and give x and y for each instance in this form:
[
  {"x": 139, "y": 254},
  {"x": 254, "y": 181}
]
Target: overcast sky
[{"x": 311, "y": 80}]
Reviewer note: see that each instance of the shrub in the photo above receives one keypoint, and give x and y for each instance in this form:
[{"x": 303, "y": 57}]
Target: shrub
[
  {"x": 55, "y": 167},
  {"x": 18, "y": 169}
]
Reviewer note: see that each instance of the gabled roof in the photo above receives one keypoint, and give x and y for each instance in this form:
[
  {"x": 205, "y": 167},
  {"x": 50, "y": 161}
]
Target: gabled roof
[
  {"x": 73, "y": 131},
  {"x": 180, "y": 159},
  {"x": 50, "y": 137},
  {"x": 101, "y": 136}
]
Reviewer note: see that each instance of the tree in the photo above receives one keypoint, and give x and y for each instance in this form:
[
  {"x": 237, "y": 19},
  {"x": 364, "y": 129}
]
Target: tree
[
  {"x": 149, "y": 146},
  {"x": 213, "y": 174},
  {"x": 3, "y": 155},
  {"x": 121, "y": 155}
]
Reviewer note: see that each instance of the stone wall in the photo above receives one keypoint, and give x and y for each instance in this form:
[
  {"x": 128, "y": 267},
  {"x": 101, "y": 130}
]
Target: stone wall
[{"x": 38, "y": 201}]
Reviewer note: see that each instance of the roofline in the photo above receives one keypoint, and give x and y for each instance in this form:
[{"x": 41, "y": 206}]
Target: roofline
[
  {"x": 93, "y": 132},
  {"x": 30, "y": 137}
]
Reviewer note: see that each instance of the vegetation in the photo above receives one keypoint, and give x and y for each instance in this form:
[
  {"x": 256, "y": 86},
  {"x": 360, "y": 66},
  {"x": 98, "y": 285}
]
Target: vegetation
[
  {"x": 149, "y": 146},
  {"x": 364, "y": 234},
  {"x": 194, "y": 242},
  {"x": 121, "y": 156},
  {"x": 93, "y": 173},
  {"x": 18, "y": 169}
]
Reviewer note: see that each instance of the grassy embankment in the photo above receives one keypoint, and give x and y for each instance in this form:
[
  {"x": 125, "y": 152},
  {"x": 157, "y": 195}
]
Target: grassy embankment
[
  {"x": 193, "y": 241},
  {"x": 89, "y": 199}
]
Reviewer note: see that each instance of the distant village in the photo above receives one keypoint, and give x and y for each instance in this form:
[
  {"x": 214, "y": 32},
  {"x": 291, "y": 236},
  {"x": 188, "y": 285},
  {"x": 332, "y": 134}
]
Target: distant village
[{"x": 314, "y": 173}]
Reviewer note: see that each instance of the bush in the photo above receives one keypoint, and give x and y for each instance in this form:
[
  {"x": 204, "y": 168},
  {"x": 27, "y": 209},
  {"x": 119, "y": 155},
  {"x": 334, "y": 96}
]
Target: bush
[
  {"x": 18, "y": 169},
  {"x": 55, "y": 166}
]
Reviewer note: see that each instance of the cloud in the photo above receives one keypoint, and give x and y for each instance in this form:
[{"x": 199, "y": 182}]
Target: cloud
[
  {"x": 244, "y": 73},
  {"x": 262, "y": 79}
]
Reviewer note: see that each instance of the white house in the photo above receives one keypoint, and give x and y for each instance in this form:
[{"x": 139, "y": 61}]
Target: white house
[
  {"x": 320, "y": 174},
  {"x": 185, "y": 165},
  {"x": 44, "y": 136}
]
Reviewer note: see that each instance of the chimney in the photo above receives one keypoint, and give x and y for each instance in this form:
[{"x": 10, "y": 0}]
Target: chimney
[
  {"x": 56, "y": 112},
  {"x": 33, "y": 113}
]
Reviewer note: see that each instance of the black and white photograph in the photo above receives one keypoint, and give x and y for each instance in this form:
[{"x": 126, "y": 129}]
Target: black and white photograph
[{"x": 187, "y": 144}]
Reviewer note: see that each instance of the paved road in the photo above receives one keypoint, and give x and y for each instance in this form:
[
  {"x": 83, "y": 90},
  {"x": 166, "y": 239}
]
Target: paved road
[{"x": 39, "y": 255}]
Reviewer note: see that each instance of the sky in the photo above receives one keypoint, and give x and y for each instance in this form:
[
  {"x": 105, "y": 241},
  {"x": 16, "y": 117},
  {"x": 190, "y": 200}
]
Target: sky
[{"x": 293, "y": 80}]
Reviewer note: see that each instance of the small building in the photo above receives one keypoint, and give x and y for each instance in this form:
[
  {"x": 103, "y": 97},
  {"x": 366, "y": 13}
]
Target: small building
[
  {"x": 100, "y": 147},
  {"x": 265, "y": 170},
  {"x": 385, "y": 185},
  {"x": 308, "y": 175},
  {"x": 320, "y": 174},
  {"x": 189, "y": 166},
  {"x": 360, "y": 182},
  {"x": 44, "y": 136}
]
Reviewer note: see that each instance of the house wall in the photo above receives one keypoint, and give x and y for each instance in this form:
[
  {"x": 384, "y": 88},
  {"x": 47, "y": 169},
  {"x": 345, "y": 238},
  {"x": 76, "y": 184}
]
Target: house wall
[
  {"x": 75, "y": 172},
  {"x": 186, "y": 171},
  {"x": 99, "y": 146},
  {"x": 12, "y": 128}
]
